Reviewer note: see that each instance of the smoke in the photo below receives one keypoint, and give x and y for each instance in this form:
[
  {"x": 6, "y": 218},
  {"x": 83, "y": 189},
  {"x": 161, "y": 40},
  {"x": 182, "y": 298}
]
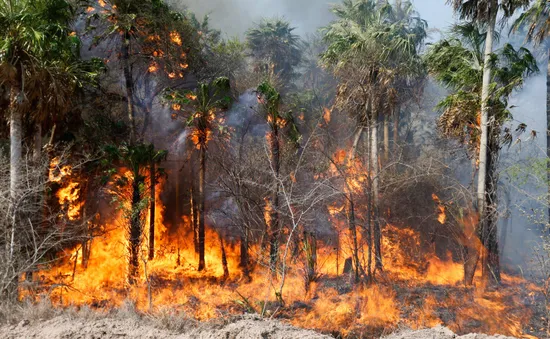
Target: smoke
[{"x": 234, "y": 17}]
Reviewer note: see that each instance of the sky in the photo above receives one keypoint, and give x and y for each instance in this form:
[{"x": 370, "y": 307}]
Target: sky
[{"x": 234, "y": 17}]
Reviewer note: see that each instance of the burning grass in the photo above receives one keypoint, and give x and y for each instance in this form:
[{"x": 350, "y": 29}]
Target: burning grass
[
  {"x": 416, "y": 289},
  {"x": 411, "y": 293}
]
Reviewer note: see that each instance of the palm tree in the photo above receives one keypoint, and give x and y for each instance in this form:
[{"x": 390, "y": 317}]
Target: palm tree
[
  {"x": 458, "y": 63},
  {"x": 40, "y": 68},
  {"x": 205, "y": 103},
  {"x": 370, "y": 49},
  {"x": 274, "y": 48},
  {"x": 409, "y": 87},
  {"x": 485, "y": 12},
  {"x": 279, "y": 123},
  {"x": 537, "y": 19},
  {"x": 151, "y": 37},
  {"x": 137, "y": 158}
]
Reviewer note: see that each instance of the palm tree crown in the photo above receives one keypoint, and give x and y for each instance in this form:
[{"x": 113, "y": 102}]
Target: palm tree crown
[{"x": 275, "y": 47}]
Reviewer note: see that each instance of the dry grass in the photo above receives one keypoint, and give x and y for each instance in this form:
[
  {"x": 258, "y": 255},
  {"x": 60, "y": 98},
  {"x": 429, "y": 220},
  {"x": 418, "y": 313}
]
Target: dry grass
[
  {"x": 171, "y": 319},
  {"x": 165, "y": 318},
  {"x": 27, "y": 311}
]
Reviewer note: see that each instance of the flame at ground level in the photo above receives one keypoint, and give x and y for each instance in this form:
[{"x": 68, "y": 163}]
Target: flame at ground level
[{"x": 413, "y": 290}]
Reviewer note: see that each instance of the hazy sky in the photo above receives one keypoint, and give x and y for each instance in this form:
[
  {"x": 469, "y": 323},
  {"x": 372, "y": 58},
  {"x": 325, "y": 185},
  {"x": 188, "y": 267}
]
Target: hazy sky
[{"x": 234, "y": 17}]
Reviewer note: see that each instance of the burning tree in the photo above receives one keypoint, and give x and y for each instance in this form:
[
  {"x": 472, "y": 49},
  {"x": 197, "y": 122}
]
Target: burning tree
[
  {"x": 131, "y": 193},
  {"x": 278, "y": 122},
  {"x": 461, "y": 118},
  {"x": 369, "y": 51},
  {"x": 205, "y": 103},
  {"x": 151, "y": 37},
  {"x": 41, "y": 70}
]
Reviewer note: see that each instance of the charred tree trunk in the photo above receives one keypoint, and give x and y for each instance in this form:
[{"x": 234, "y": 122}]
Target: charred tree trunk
[
  {"x": 356, "y": 138},
  {"x": 274, "y": 229},
  {"x": 224, "y": 260},
  {"x": 310, "y": 251},
  {"x": 548, "y": 131},
  {"x": 194, "y": 220},
  {"x": 147, "y": 103},
  {"x": 201, "y": 228},
  {"x": 244, "y": 256},
  {"x": 37, "y": 149},
  {"x": 368, "y": 227},
  {"x": 353, "y": 232},
  {"x": 135, "y": 228},
  {"x": 129, "y": 83},
  {"x": 386, "y": 137},
  {"x": 471, "y": 258},
  {"x": 87, "y": 242},
  {"x": 489, "y": 232},
  {"x": 396, "y": 117},
  {"x": 152, "y": 178},
  {"x": 484, "y": 151},
  {"x": 375, "y": 191}
]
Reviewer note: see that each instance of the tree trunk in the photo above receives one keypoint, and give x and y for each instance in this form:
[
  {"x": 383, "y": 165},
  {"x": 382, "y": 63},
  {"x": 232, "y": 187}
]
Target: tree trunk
[
  {"x": 356, "y": 138},
  {"x": 396, "y": 116},
  {"x": 135, "y": 228},
  {"x": 491, "y": 259},
  {"x": 37, "y": 147},
  {"x": 244, "y": 257},
  {"x": 152, "y": 184},
  {"x": 201, "y": 229},
  {"x": 353, "y": 233},
  {"x": 129, "y": 81},
  {"x": 548, "y": 129},
  {"x": 368, "y": 227},
  {"x": 147, "y": 103},
  {"x": 482, "y": 172},
  {"x": 274, "y": 213},
  {"x": 16, "y": 144},
  {"x": 375, "y": 191},
  {"x": 471, "y": 258},
  {"x": 224, "y": 260},
  {"x": 386, "y": 137},
  {"x": 310, "y": 251},
  {"x": 485, "y": 121},
  {"x": 194, "y": 220}
]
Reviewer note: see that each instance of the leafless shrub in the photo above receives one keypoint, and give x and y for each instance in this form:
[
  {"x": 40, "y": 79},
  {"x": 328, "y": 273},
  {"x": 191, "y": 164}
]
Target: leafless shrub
[{"x": 32, "y": 231}]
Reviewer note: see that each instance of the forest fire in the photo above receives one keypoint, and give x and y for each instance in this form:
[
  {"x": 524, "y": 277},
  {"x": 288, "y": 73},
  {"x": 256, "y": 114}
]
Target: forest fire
[
  {"x": 171, "y": 279},
  {"x": 353, "y": 182}
]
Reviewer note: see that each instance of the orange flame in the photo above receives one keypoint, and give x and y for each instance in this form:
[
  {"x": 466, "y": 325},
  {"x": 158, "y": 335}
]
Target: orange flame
[
  {"x": 175, "y": 37},
  {"x": 441, "y": 217}
]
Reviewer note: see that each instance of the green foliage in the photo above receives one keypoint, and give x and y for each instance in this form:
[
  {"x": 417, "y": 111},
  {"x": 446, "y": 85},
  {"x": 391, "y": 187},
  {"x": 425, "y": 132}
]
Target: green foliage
[
  {"x": 457, "y": 63},
  {"x": 381, "y": 31},
  {"x": 478, "y": 10},
  {"x": 270, "y": 99},
  {"x": 39, "y": 55},
  {"x": 373, "y": 48},
  {"x": 275, "y": 48},
  {"x": 134, "y": 157},
  {"x": 157, "y": 33},
  {"x": 537, "y": 19},
  {"x": 201, "y": 105}
]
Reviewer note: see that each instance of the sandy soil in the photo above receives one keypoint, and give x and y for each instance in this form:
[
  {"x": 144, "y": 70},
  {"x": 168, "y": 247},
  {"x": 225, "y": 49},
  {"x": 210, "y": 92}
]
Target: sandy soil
[
  {"x": 440, "y": 332},
  {"x": 65, "y": 327}
]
